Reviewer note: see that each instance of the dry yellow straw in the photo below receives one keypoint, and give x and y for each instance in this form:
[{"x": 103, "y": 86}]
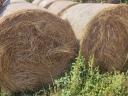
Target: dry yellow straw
[
  {"x": 35, "y": 47},
  {"x": 103, "y": 31}
]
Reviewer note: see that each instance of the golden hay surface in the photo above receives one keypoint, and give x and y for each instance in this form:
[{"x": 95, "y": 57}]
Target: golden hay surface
[
  {"x": 59, "y": 7},
  {"x": 102, "y": 30},
  {"x": 111, "y": 36},
  {"x": 35, "y": 47}
]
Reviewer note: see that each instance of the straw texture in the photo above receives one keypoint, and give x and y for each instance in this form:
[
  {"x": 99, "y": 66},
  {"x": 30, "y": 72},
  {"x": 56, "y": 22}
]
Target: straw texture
[
  {"x": 102, "y": 30},
  {"x": 35, "y": 47}
]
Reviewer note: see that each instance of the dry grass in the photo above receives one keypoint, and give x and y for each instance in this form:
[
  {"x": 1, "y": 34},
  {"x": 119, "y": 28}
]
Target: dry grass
[{"x": 35, "y": 47}]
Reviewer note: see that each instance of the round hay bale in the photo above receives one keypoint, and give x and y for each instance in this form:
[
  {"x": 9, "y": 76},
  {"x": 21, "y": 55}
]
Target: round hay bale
[
  {"x": 102, "y": 30},
  {"x": 59, "y": 7},
  {"x": 35, "y": 47}
]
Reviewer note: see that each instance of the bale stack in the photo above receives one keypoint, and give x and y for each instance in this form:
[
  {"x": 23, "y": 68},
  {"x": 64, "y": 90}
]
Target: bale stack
[
  {"x": 35, "y": 47},
  {"x": 101, "y": 29}
]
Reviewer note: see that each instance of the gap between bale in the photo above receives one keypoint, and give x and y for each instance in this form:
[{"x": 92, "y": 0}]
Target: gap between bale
[{"x": 35, "y": 47}]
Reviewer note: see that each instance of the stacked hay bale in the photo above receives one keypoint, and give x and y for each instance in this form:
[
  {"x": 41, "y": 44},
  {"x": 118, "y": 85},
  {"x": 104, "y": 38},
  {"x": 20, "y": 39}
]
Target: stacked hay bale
[
  {"x": 102, "y": 30},
  {"x": 35, "y": 47}
]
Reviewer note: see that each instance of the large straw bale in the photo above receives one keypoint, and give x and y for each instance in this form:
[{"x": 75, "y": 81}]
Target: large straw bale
[
  {"x": 35, "y": 47},
  {"x": 102, "y": 30}
]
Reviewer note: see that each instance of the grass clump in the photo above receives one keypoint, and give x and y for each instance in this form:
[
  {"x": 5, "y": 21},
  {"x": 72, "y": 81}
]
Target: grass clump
[{"x": 84, "y": 80}]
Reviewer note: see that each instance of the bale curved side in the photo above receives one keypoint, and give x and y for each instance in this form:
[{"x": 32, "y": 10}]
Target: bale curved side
[
  {"x": 81, "y": 14},
  {"x": 59, "y": 7},
  {"x": 102, "y": 30},
  {"x": 35, "y": 47},
  {"x": 110, "y": 37}
]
